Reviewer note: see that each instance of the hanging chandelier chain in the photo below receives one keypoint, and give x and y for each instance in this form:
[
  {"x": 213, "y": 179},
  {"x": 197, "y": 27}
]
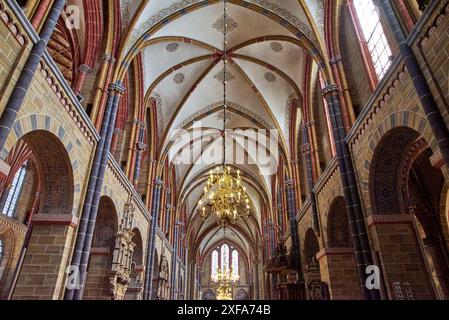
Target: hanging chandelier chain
[
  {"x": 225, "y": 74},
  {"x": 224, "y": 194}
]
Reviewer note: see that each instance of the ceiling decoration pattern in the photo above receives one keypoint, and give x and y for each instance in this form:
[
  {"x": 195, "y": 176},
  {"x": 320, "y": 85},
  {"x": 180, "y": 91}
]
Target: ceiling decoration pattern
[
  {"x": 179, "y": 78},
  {"x": 220, "y": 76},
  {"x": 219, "y": 25},
  {"x": 172, "y": 47},
  {"x": 231, "y": 105},
  {"x": 158, "y": 17},
  {"x": 126, "y": 17},
  {"x": 270, "y": 77},
  {"x": 288, "y": 16},
  {"x": 184, "y": 4},
  {"x": 276, "y": 47}
]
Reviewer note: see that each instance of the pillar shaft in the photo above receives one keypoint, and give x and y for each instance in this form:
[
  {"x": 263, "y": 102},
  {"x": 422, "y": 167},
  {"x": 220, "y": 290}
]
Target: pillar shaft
[
  {"x": 174, "y": 262},
  {"x": 26, "y": 76},
  {"x": 307, "y": 151},
  {"x": 356, "y": 219},
  {"x": 155, "y": 208},
  {"x": 90, "y": 207},
  {"x": 291, "y": 209}
]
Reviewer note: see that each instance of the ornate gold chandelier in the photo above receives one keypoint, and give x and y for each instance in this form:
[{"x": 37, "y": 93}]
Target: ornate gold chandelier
[
  {"x": 224, "y": 194},
  {"x": 225, "y": 280}
]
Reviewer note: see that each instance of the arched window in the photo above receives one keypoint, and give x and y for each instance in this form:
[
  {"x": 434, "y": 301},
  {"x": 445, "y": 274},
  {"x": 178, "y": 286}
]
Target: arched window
[
  {"x": 224, "y": 258},
  {"x": 227, "y": 260},
  {"x": 368, "y": 15},
  {"x": 214, "y": 265},
  {"x": 235, "y": 263},
  {"x": 14, "y": 192}
]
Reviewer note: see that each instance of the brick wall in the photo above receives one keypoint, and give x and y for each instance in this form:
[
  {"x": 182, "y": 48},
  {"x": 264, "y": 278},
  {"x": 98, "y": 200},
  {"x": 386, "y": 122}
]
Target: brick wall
[{"x": 338, "y": 269}]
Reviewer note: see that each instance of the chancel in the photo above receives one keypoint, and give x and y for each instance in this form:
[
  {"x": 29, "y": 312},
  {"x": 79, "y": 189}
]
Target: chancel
[{"x": 224, "y": 150}]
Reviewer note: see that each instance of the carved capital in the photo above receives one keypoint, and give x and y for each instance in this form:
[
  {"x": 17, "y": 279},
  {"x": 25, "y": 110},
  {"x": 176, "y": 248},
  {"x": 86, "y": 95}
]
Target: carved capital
[
  {"x": 305, "y": 149},
  {"x": 141, "y": 146},
  {"x": 330, "y": 90},
  {"x": 117, "y": 88}
]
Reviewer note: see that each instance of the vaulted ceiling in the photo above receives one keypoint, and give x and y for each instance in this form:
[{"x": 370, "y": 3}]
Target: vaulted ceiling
[{"x": 182, "y": 47}]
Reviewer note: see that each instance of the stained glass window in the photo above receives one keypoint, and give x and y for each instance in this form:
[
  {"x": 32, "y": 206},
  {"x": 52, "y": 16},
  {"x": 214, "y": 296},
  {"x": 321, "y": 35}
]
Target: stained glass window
[
  {"x": 13, "y": 195},
  {"x": 235, "y": 263},
  {"x": 224, "y": 257},
  {"x": 214, "y": 265},
  {"x": 379, "y": 49}
]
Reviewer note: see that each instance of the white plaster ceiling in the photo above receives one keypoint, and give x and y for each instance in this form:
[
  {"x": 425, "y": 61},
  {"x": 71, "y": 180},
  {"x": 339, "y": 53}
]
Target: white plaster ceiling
[{"x": 182, "y": 65}]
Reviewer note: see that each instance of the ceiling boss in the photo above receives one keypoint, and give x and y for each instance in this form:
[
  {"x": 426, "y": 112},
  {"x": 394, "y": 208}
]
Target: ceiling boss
[{"x": 224, "y": 194}]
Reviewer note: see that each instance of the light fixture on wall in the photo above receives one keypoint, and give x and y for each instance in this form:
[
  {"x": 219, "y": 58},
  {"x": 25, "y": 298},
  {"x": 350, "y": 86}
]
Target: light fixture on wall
[{"x": 224, "y": 194}]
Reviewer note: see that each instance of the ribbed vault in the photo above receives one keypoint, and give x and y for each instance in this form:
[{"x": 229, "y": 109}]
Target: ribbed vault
[{"x": 269, "y": 43}]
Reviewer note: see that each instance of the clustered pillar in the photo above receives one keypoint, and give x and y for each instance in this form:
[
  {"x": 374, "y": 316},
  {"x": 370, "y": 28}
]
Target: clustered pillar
[
  {"x": 86, "y": 227},
  {"x": 141, "y": 147},
  {"x": 307, "y": 151},
  {"x": 157, "y": 192},
  {"x": 356, "y": 218},
  {"x": 26, "y": 76},
  {"x": 291, "y": 209},
  {"x": 174, "y": 261}
]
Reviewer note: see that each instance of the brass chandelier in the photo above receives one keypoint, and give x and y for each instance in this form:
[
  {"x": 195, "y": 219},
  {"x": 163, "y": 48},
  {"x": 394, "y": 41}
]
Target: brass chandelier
[
  {"x": 224, "y": 194},
  {"x": 225, "y": 280}
]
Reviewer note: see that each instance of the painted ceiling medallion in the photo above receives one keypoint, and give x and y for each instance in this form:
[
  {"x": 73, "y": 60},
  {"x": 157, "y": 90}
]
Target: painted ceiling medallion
[
  {"x": 276, "y": 47},
  {"x": 172, "y": 47},
  {"x": 270, "y": 77},
  {"x": 229, "y": 116},
  {"x": 220, "y": 76},
  {"x": 179, "y": 78},
  {"x": 219, "y": 25}
]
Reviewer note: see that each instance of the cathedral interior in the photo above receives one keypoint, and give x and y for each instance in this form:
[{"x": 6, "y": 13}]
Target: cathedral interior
[{"x": 224, "y": 150}]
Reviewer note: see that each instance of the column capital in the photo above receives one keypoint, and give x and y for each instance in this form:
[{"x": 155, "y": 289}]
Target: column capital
[
  {"x": 158, "y": 182},
  {"x": 109, "y": 58},
  {"x": 310, "y": 123},
  {"x": 330, "y": 89},
  {"x": 85, "y": 68},
  {"x": 305, "y": 149},
  {"x": 335, "y": 60},
  {"x": 289, "y": 184},
  {"x": 141, "y": 146},
  {"x": 117, "y": 88}
]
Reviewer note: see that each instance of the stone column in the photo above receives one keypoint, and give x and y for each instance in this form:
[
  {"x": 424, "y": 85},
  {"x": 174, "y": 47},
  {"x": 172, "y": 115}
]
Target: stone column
[
  {"x": 155, "y": 208},
  {"x": 141, "y": 147},
  {"x": 356, "y": 218},
  {"x": 291, "y": 209},
  {"x": 29, "y": 69},
  {"x": 174, "y": 262},
  {"x": 90, "y": 207},
  {"x": 307, "y": 151}
]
